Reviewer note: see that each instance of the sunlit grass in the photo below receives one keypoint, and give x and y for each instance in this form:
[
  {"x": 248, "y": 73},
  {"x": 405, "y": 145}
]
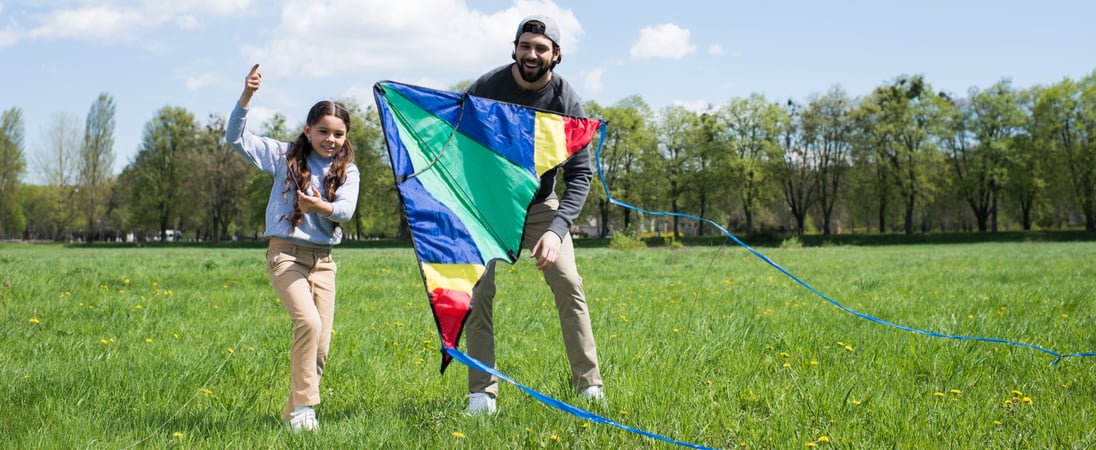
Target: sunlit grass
[{"x": 188, "y": 347}]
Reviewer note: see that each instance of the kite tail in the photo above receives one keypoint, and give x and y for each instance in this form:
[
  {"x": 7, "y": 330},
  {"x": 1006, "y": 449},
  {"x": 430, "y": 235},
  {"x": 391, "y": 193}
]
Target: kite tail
[
  {"x": 1058, "y": 356},
  {"x": 578, "y": 412}
]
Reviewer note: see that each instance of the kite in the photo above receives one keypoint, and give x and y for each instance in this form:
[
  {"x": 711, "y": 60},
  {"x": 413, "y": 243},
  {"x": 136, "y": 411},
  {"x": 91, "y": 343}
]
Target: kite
[{"x": 466, "y": 169}]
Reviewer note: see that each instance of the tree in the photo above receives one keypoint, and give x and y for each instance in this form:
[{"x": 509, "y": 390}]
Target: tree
[
  {"x": 59, "y": 164},
  {"x": 831, "y": 135},
  {"x": 1066, "y": 122},
  {"x": 628, "y": 133},
  {"x": 795, "y": 170},
  {"x": 96, "y": 164},
  {"x": 754, "y": 131},
  {"x": 379, "y": 212},
  {"x": 1026, "y": 163},
  {"x": 218, "y": 180},
  {"x": 980, "y": 133},
  {"x": 675, "y": 136},
  {"x": 904, "y": 119},
  {"x": 12, "y": 164},
  {"x": 154, "y": 180}
]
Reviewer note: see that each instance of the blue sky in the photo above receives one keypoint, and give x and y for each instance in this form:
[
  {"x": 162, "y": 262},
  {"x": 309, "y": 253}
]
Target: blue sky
[{"x": 57, "y": 56}]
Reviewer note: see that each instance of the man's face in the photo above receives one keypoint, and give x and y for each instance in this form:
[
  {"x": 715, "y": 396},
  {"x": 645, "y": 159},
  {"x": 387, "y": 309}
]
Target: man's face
[{"x": 534, "y": 54}]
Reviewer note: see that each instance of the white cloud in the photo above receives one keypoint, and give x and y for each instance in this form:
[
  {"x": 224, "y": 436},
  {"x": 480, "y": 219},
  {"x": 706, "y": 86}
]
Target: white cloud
[
  {"x": 592, "y": 80},
  {"x": 323, "y": 38},
  {"x": 128, "y": 22},
  {"x": 662, "y": 41},
  {"x": 200, "y": 81},
  {"x": 716, "y": 50},
  {"x": 99, "y": 22}
]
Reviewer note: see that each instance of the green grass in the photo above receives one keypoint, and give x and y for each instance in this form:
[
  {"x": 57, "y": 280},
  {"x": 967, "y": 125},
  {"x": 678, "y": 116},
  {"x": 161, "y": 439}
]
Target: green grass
[{"x": 188, "y": 347}]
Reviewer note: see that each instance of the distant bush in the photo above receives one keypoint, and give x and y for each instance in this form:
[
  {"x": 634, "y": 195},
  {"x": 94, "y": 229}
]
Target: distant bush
[{"x": 626, "y": 240}]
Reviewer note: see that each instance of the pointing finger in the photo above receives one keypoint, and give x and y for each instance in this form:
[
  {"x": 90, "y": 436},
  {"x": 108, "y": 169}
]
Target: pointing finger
[{"x": 254, "y": 69}]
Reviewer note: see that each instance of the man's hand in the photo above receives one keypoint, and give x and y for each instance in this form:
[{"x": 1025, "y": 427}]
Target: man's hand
[{"x": 547, "y": 250}]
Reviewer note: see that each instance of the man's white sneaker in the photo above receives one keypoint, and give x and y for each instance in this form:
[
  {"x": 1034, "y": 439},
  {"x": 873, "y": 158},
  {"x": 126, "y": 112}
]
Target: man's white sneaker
[
  {"x": 304, "y": 420},
  {"x": 593, "y": 394},
  {"x": 480, "y": 403}
]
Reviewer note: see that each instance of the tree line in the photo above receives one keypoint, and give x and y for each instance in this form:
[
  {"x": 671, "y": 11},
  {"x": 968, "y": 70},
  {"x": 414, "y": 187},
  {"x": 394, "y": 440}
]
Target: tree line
[{"x": 903, "y": 158}]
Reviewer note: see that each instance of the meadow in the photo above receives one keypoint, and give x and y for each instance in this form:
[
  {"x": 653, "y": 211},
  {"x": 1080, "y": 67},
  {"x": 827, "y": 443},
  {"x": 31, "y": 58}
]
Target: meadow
[{"x": 187, "y": 347}]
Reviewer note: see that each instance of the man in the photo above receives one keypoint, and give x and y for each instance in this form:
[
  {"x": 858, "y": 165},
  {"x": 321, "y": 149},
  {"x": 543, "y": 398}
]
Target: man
[{"x": 530, "y": 81}]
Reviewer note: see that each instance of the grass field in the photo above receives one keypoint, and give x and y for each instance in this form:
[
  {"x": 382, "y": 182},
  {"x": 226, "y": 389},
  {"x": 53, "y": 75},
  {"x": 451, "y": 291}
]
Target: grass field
[{"x": 188, "y": 348}]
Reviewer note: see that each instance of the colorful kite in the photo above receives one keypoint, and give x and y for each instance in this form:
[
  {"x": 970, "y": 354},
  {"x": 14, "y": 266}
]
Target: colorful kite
[{"x": 466, "y": 170}]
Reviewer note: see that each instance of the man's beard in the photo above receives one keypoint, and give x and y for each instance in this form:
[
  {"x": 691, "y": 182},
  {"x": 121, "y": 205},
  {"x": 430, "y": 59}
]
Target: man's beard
[{"x": 541, "y": 71}]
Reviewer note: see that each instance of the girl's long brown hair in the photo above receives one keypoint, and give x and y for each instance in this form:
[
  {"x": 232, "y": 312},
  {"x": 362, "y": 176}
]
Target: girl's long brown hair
[{"x": 299, "y": 174}]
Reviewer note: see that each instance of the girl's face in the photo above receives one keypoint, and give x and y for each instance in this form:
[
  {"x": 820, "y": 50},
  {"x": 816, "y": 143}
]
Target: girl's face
[{"x": 327, "y": 135}]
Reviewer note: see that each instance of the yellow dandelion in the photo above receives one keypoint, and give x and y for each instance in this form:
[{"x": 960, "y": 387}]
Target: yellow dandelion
[
  {"x": 956, "y": 391},
  {"x": 177, "y": 435},
  {"x": 623, "y": 412},
  {"x": 848, "y": 348},
  {"x": 1017, "y": 394},
  {"x": 856, "y": 402},
  {"x": 148, "y": 340},
  {"x": 997, "y": 422},
  {"x": 814, "y": 363},
  {"x": 1007, "y": 404},
  {"x": 1026, "y": 401},
  {"x": 823, "y": 439},
  {"x": 811, "y": 445},
  {"x": 207, "y": 391},
  {"x": 970, "y": 316},
  {"x": 585, "y": 425},
  {"x": 528, "y": 430},
  {"x": 675, "y": 330},
  {"x": 33, "y": 320},
  {"x": 840, "y": 344},
  {"x": 175, "y": 335},
  {"x": 138, "y": 306},
  {"x": 458, "y": 435},
  {"x": 709, "y": 382},
  {"x": 535, "y": 350},
  {"x": 230, "y": 350},
  {"x": 1065, "y": 316},
  {"x": 784, "y": 354},
  {"x": 125, "y": 281},
  {"x": 938, "y": 394},
  {"x": 555, "y": 437},
  {"x": 224, "y": 286},
  {"x": 104, "y": 341},
  {"x": 787, "y": 365}
]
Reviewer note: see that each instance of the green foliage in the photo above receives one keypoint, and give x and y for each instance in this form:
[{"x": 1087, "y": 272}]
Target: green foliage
[
  {"x": 12, "y": 165},
  {"x": 187, "y": 347},
  {"x": 791, "y": 242},
  {"x": 626, "y": 240}
]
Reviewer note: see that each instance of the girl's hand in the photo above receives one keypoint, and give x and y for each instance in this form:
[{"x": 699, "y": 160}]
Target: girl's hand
[
  {"x": 314, "y": 203},
  {"x": 251, "y": 85}
]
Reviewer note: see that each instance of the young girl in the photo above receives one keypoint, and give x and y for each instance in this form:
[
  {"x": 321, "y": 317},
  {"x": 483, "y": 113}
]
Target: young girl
[{"x": 315, "y": 190}]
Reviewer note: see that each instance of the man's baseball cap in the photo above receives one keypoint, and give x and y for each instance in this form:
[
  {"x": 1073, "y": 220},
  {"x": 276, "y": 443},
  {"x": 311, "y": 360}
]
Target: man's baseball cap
[{"x": 547, "y": 27}]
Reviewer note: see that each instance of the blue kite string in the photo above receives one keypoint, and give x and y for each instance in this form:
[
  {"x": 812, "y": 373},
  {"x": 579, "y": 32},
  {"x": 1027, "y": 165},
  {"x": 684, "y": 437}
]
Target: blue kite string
[
  {"x": 1058, "y": 356},
  {"x": 578, "y": 412}
]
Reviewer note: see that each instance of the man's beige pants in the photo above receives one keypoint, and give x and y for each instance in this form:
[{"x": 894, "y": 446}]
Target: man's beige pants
[{"x": 574, "y": 318}]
